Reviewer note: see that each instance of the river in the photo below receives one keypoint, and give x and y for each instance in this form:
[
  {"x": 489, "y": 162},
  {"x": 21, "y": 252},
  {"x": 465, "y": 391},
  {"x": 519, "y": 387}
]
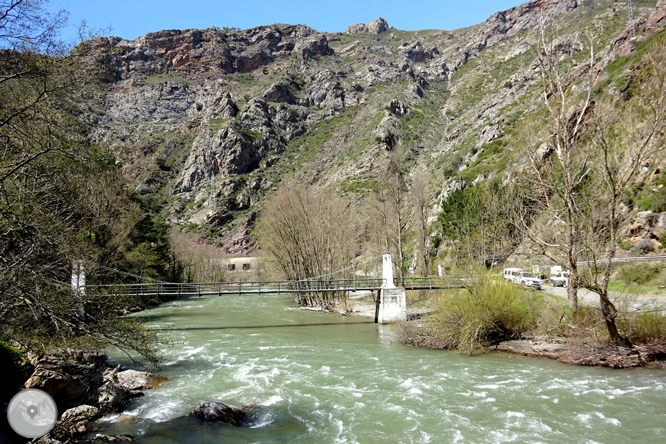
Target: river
[{"x": 326, "y": 378}]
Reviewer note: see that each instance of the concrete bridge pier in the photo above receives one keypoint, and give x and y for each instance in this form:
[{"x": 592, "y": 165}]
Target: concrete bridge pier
[{"x": 392, "y": 302}]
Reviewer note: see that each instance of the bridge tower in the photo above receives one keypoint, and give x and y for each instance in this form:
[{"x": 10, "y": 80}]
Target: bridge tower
[
  {"x": 392, "y": 302},
  {"x": 79, "y": 287}
]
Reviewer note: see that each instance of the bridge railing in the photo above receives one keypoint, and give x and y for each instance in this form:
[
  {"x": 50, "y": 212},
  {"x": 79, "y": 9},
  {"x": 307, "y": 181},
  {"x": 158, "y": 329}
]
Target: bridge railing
[
  {"x": 176, "y": 290},
  {"x": 335, "y": 285},
  {"x": 199, "y": 289},
  {"x": 428, "y": 283}
]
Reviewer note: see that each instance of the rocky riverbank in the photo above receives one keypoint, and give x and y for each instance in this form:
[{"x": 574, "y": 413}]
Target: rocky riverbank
[
  {"x": 648, "y": 356},
  {"x": 84, "y": 386}
]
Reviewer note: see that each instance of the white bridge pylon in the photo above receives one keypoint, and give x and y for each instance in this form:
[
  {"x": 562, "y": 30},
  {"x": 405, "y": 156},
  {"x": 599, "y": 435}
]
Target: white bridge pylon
[
  {"x": 387, "y": 271},
  {"x": 391, "y": 301}
]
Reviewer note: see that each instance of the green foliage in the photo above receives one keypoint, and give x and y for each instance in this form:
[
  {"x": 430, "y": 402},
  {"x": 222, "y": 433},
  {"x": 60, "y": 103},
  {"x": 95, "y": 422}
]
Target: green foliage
[
  {"x": 14, "y": 371},
  {"x": 249, "y": 135},
  {"x": 218, "y": 124},
  {"x": 149, "y": 254},
  {"x": 622, "y": 70},
  {"x": 488, "y": 161},
  {"x": 640, "y": 273},
  {"x": 460, "y": 212},
  {"x": 305, "y": 148},
  {"x": 655, "y": 196},
  {"x": 645, "y": 327},
  {"x": 642, "y": 247},
  {"x": 361, "y": 187},
  {"x": 487, "y": 312}
]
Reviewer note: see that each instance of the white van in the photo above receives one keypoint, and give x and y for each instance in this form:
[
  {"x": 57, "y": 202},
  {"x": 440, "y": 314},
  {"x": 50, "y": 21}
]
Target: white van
[{"x": 509, "y": 273}]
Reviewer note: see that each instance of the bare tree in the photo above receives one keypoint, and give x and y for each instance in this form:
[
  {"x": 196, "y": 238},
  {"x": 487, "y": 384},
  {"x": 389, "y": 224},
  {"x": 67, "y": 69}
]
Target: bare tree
[
  {"x": 198, "y": 262},
  {"x": 558, "y": 164},
  {"x": 589, "y": 155},
  {"x": 625, "y": 137},
  {"x": 420, "y": 199},
  {"x": 25, "y": 25},
  {"x": 388, "y": 214},
  {"x": 310, "y": 233}
]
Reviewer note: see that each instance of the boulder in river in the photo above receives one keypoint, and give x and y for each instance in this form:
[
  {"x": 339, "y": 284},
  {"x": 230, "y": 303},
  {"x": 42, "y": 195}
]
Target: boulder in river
[
  {"x": 216, "y": 411},
  {"x": 121, "y": 386}
]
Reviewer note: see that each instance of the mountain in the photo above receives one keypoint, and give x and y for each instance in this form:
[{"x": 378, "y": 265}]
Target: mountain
[{"x": 210, "y": 122}]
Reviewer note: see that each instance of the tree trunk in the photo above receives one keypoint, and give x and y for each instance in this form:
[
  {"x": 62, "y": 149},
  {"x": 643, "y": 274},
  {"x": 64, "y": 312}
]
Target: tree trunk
[
  {"x": 572, "y": 289},
  {"x": 609, "y": 312},
  {"x": 572, "y": 295}
]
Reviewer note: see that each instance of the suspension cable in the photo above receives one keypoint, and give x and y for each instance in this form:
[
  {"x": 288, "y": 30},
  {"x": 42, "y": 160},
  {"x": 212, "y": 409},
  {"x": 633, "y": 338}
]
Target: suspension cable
[
  {"x": 340, "y": 271},
  {"x": 124, "y": 273}
]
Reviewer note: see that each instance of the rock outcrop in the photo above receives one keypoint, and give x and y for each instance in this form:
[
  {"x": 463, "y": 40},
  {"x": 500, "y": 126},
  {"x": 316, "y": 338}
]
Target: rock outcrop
[
  {"x": 375, "y": 27},
  {"x": 84, "y": 387},
  {"x": 73, "y": 422},
  {"x": 121, "y": 386},
  {"x": 71, "y": 379},
  {"x": 208, "y": 53},
  {"x": 647, "y": 227}
]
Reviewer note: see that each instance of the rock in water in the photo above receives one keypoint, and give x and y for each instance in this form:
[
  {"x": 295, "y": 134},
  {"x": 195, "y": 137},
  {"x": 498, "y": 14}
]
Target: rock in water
[{"x": 216, "y": 411}]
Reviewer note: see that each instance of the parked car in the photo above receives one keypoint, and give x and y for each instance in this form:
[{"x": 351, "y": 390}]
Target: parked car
[
  {"x": 510, "y": 273},
  {"x": 561, "y": 279},
  {"x": 527, "y": 279}
]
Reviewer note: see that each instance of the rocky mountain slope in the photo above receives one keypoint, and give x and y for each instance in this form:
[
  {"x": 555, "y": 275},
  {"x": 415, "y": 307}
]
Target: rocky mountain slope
[{"x": 209, "y": 122}]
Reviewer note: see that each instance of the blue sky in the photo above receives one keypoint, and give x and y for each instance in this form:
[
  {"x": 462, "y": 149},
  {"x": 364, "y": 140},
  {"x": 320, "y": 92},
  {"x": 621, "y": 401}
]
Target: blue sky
[{"x": 130, "y": 19}]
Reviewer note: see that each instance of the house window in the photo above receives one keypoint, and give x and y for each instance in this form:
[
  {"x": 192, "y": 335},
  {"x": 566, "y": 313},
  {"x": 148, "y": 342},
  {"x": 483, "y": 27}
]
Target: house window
[
  {"x": 246, "y": 267},
  {"x": 231, "y": 267}
]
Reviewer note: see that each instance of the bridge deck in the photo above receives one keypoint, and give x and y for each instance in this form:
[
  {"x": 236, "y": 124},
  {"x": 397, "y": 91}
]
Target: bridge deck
[{"x": 176, "y": 290}]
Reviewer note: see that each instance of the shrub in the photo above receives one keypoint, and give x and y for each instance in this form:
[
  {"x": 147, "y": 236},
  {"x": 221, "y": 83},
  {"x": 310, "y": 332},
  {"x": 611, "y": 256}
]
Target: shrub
[
  {"x": 645, "y": 327},
  {"x": 482, "y": 315},
  {"x": 639, "y": 273},
  {"x": 642, "y": 247}
]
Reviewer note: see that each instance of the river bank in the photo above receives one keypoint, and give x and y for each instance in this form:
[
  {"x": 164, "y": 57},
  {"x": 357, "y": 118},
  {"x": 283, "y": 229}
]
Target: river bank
[
  {"x": 566, "y": 350},
  {"x": 85, "y": 386}
]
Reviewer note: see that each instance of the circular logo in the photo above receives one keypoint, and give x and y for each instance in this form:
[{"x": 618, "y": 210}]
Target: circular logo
[{"x": 32, "y": 413}]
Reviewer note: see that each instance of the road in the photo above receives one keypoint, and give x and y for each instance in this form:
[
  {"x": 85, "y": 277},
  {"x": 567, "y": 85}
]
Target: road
[{"x": 623, "y": 302}]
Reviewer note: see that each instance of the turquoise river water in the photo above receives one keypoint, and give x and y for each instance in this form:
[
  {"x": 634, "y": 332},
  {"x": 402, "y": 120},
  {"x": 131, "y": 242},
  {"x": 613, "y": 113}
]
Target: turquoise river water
[{"x": 331, "y": 379}]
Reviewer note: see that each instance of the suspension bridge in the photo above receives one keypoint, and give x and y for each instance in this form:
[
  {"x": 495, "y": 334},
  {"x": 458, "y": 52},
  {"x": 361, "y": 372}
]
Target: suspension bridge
[
  {"x": 391, "y": 303},
  {"x": 178, "y": 290}
]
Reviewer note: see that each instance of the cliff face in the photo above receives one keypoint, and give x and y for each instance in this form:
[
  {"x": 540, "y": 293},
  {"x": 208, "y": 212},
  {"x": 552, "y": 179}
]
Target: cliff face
[{"x": 214, "y": 119}]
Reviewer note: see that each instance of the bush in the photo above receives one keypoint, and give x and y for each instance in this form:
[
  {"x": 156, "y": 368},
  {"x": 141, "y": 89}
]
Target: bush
[
  {"x": 645, "y": 327},
  {"x": 638, "y": 273},
  {"x": 642, "y": 247},
  {"x": 484, "y": 314}
]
